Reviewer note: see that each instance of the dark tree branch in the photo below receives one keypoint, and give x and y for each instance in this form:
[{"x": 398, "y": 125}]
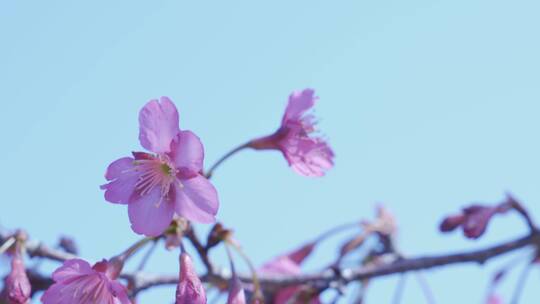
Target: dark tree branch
[
  {"x": 38, "y": 249},
  {"x": 141, "y": 281},
  {"x": 324, "y": 279}
]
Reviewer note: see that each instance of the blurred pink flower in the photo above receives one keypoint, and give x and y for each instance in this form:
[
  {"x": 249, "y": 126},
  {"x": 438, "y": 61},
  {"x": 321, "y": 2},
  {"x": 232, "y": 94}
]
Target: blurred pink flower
[
  {"x": 17, "y": 285},
  {"x": 78, "y": 282},
  {"x": 156, "y": 186},
  {"x": 190, "y": 289},
  {"x": 289, "y": 264},
  {"x": 308, "y": 155}
]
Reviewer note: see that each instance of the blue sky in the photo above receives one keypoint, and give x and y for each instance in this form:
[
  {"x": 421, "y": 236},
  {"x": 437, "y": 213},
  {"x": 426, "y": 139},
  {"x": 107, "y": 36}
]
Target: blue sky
[{"x": 429, "y": 105}]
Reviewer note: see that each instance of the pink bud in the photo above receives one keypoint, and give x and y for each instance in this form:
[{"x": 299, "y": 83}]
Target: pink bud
[
  {"x": 17, "y": 284},
  {"x": 475, "y": 218},
  {"x": 236, "y": 292},
  {"x": 451, "y": 222},
  {"x": 299, "y": 255},
  {"x": 190, "y": 289}
]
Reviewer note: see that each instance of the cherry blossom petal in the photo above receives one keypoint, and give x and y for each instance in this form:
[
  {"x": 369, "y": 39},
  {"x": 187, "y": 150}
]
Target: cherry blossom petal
[
  {"x": 310, "y": 157},
  {"x": 123, "y": 179},
  {"x": 188, "y": 152},
  {"x": 289, "y": 264},
  {"x": 299, "y": 255},
  {"x": 299, "y": 103},
  {"x": 280, "y": 266},
  {"x": 72, "y": 269},
  {"x": 158, "y": 125},
  {"x": 77, "y": 282},
  {"x": 150, "y": 214},
  {"x": 54, "y": 295},
  {"x": 121, "y": 294},
  {"x": 197, "y": 200}
]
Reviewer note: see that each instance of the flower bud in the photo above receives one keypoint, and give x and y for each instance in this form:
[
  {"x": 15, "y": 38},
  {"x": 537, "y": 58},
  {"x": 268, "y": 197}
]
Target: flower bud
[
  {"x": 451, "y": 222},
  {"x": 236, "y": 292},
  {"x": 190, "y": 289},
  {"x": 17, "y": 284}
]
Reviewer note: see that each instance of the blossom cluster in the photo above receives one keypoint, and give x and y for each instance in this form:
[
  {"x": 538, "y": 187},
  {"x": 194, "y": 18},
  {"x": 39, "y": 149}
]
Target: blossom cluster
[
  {"x": 165, "y": 185},
  {"x": 167, "y": 190}
]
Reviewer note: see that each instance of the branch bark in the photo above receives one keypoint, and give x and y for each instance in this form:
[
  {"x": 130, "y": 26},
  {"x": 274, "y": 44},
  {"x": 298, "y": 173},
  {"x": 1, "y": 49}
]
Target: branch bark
[
  {"x": 347, "y": 275},
  {"x": 142, "y": 280}
]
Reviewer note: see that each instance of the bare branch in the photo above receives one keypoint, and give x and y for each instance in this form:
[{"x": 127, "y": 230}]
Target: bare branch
[
  {"x": 38, "y": 249},
  {"x": 324, "y": 279},
  {"x": 142, "y": 281}
]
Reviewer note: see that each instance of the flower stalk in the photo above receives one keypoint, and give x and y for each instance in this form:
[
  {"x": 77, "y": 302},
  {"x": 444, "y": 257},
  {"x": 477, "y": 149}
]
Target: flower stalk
[{"x": 232, "y": 152}]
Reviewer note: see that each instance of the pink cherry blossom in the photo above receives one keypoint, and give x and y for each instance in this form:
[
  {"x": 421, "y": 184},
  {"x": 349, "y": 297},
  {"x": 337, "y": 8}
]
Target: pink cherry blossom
[
  {"x": 158, "y": 185},
  {"x": 306, "y": 153},
  {"x": 190, "y": 289},
  {"x": 78, "y": 282},
  {"x": 17, "y": 285},
  {"x": 288, "y": 264}
]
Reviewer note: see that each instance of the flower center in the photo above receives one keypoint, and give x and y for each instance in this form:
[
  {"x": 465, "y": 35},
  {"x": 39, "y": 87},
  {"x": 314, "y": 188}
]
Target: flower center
[
  {"x": 156, "y": 172},
  {"x": 166, "y": 169}
]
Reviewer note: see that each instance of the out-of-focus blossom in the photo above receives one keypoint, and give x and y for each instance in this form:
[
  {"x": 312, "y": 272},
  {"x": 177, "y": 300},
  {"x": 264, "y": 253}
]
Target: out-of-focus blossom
[
  {"x": 289, "y": 264},
  {"x": 189, "y": 289},
  {"x": 169, "y": 181},
  {"x": 474, "y": 219},
  {"x": 78, "y": 282},
  {"x": 17, "y": 285},
  {"x": 307, "y": 153},
  {"x": 384, "y": 225}
]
